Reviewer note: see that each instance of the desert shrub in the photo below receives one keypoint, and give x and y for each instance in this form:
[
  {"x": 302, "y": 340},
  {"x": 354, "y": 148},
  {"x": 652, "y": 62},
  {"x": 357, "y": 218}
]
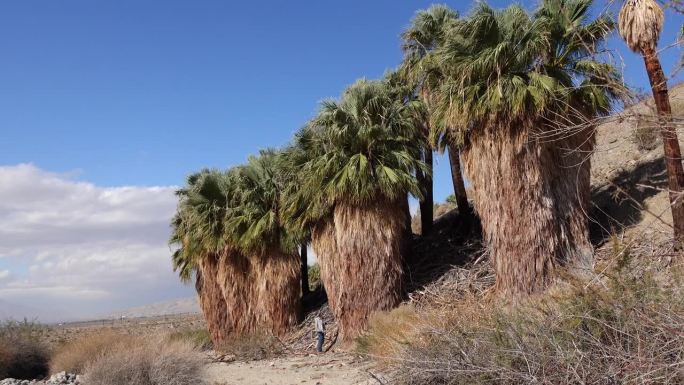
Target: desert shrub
[
  {"x": 155, "y": 360},
  {"x": 625, "y": 331},
  {"x": 23, "y": 355},
  {"x": 73, "y": 356},
  {"x": 646, "y": 134},
  {"x": 252, "y": 347},
  {"x": 200, "y": 337}
]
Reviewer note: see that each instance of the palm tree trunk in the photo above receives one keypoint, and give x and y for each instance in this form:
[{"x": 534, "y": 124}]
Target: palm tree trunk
[
  {"x": 304, "y": 269},
  {"x": 457, "y": 179},
  {"x": 532, "y": 199},
  {"x": 277, "y": 301},
  {"x": 673, "y": 155},
  {"x": 235, "y": 277},
  {"x": 260, "y": 292},
  {"x": 427, "y": 203},
  {"x": 359, "y": 251},
  {"x": 211, "y": 300}
]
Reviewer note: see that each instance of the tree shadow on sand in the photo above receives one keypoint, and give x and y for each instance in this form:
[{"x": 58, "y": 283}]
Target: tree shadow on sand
[{"x": 618, "y": 204}]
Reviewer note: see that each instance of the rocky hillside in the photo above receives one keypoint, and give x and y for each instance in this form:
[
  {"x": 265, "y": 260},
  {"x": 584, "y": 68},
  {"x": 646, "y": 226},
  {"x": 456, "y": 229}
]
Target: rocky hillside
[{"x": 628, "y": 173}]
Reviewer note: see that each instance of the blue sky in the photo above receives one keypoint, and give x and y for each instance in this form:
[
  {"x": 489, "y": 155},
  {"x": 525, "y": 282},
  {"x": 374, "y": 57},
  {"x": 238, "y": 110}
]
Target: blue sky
[
  {"x": 143, "y": 92},
  {"x": 95, "y": 95}
]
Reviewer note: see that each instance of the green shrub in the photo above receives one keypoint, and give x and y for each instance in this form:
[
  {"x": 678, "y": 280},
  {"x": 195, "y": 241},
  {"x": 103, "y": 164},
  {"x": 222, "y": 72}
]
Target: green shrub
[
  {"x": 314, "y": 276},
  {"x": 23, "y": 355}
]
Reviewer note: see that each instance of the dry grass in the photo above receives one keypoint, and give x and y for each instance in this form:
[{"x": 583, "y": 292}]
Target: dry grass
[
  {"x": 23, "y": 355},
  {"x": 75, "y": 355},
  {"x": 155, "y": 360},
  {"x": 391, "y": 332}
]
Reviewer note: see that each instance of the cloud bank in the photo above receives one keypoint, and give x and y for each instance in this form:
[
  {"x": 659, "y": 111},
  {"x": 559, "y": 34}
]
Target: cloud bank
[{"x": 71, "y": 249}]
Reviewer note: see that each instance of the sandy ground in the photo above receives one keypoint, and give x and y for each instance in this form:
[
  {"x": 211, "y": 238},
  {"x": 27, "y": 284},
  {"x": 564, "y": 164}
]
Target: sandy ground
[{"x": 326, "y": 369}]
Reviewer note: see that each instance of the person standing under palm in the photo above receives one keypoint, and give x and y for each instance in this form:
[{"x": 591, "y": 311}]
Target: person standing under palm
[{"x": 319, "y": 328}]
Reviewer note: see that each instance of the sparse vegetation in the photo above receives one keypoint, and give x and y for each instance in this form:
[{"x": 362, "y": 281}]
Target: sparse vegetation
[
  {"x": 23, "y": 355},
  {"x": 252, "y": 347},
  {"x": 624, "y": 328},
  {"x": 151, "y": 360},
  {"x": 646, "y": 134}
]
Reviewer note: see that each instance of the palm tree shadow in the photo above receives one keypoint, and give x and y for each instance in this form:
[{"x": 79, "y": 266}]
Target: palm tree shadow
[
  {"x": 454, "y": 241},
  {"x": 618, "y": 204}
]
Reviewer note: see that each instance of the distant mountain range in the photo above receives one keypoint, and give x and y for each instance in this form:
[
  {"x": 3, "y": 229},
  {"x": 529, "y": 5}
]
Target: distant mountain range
[
  {"x": 177, "y": 306},
  {"x": 10, "y": 310}
]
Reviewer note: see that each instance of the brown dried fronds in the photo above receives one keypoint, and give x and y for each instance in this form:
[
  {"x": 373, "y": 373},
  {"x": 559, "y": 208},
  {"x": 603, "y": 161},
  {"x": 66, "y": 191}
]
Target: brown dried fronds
[
  {"x": 360, "y": 254},
  {"x": 640, "y": 23}
]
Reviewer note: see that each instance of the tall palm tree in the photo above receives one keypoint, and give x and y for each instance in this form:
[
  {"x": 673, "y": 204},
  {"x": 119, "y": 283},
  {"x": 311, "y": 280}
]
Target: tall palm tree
[
  {"x": 197, "y": 231},
  {"x": 522, "y": 93},
  {"x": 640, "y": 24},
  {"x": 425, "y": 34},
  {"x": 358, "y": 158},
  {"x": 255, "y": 224}
]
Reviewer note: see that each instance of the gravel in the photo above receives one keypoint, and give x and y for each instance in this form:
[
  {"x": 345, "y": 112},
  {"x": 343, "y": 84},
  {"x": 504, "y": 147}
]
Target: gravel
[{"x": 61, "y": 378}]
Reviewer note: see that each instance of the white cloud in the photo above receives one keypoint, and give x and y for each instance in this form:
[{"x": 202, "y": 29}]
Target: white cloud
[{"x": 72, "y": 249}]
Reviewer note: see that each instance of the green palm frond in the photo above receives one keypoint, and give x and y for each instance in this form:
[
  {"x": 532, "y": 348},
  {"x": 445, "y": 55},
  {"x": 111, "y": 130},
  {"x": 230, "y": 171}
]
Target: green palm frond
[
  {"x": 198, "y": 226},
  {"x": 359, "y": 149},
  {"x": 255, "y": 219},
  {"x": 505, "y": 66}
]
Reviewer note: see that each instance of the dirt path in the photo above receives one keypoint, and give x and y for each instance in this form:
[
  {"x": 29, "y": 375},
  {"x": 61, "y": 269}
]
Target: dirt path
[{"x": 327, "y": 369}]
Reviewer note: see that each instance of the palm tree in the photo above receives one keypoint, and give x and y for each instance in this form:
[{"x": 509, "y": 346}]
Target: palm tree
[
  {"x": 522, "y": 93},
  {"x": 197, "y": 231},
  {"x": 357, "y": 161},
  {"x": 255, "y": 225},
  {"x": 425, "y": 34},
  {"x": 229, "y": 233},
  {"x": 640, "y": 24}
]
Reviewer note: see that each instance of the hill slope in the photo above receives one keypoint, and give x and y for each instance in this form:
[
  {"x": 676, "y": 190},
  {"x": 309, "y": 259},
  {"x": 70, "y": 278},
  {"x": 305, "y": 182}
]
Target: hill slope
[
  {"x": 629, "y": 182},
  {"x": 177, "y": 306}
]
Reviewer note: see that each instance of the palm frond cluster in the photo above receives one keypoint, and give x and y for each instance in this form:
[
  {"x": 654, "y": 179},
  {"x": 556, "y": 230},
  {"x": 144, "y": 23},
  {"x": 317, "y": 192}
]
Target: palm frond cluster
[{"x": 498, "y": 86}]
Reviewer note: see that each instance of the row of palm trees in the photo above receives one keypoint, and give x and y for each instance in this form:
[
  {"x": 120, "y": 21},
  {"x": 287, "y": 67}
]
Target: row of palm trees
[{"x": 515, "y": 94}]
